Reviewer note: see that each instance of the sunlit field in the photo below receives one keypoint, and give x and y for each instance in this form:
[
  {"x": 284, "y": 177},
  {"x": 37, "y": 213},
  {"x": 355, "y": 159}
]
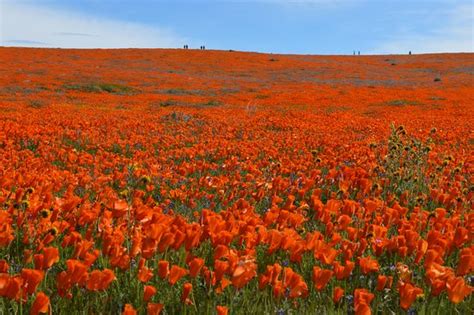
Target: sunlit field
[{"x": 221, "y": 182}]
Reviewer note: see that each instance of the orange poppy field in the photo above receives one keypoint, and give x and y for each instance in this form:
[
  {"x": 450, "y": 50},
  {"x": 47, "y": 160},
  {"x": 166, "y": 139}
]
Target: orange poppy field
[{"x": 148, "y": 181}]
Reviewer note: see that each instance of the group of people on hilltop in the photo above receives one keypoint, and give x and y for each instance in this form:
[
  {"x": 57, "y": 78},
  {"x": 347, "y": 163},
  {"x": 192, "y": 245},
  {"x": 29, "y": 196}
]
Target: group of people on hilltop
[
  {"x": 358, "y": 52},
  {"x": 200, "y": 47},
  {"x": 204, "y": 47}
]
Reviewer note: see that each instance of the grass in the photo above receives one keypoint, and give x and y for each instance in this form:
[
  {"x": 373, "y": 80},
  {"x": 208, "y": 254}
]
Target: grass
[
  {"x": 173, "y": 102},
  {"x": 111, "y": 88},
  {"x": 181, "y": 91},
  {"x": 336, "y": 108},
  {"x": 210, "y": 103},
  {"x": 37, "y": 104},
  {"x": 169, "y": 102},
  {"x": 403, "y": 102}
]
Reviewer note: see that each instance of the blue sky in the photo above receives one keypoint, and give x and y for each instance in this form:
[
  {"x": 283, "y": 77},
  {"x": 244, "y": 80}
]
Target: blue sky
[{"x": 279, "y": 26}]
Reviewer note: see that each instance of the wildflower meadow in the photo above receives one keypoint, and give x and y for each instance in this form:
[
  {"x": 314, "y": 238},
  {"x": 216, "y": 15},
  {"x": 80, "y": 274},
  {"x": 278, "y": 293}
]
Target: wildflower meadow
[{"x": 221, "y": 182}]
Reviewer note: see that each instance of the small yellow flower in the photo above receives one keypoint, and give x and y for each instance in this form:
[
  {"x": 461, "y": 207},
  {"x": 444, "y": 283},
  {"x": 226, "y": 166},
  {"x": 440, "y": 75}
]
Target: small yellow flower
[
  {"x": 123, "y": 193},
  {"x": 403, "y": 272},
  {"x": 45, "y": 213},
  {"x": 54, "y": 231},
  {"x": 145, "y": 179}
]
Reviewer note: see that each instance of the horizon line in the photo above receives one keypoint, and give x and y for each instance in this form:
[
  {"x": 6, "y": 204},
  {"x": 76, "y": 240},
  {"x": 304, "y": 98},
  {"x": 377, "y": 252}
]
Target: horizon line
[{"x": 239, "y": 51}]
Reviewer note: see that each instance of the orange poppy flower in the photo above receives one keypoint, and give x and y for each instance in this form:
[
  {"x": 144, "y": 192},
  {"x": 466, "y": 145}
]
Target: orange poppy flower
[
  {"x": 338, "y": 292},
  {"x": 6, "y": 230},
  {"x": 457, "y": 289},
  {"x": 321, "y": 277},
  {"x": 176, "y": 273},
  {"x": 408, "y": 294},
  {"x": 31, "y": 279},
  {"x": 165, "y": 241},
  {"x": 187, "y": 288},
  {"x": 76, "y": 270},
  {"x": 40, "y": 305},
  {"x": 144, "y": 274},
  {"x": 368, "y": 264},
  {"x": 222, "y": 310},
  {"x": 148, "y": 292},
  {"x": 362, "y": 299},
  {"x": 466, "y": 262},
  {"x": 432, "y": 256},
  {"x": 224, "y": 283},
  {"x": 154, "y": 308},
  {"x": 461, "y": 236},
  {"x": 11, "y": 287},
  {"x": 243, "y": 273},
  {"x": 383, "y": 282},
  {"x": 195, "y": 266},
  {"x": 295, "y": 282},
  {"x": 278, "y": 289},
  {"x": 129, "y": 310},
  {"x": 163, "y": 269},
  {"x": 220, "y": 251},
  {"x": 51, "y": 256},
  {"x": 120, "y": 208},
  {"x": 343, "y": 272},
  {"x": 100, "y": 280},
  {"x": 220, "y": 267},
  {"x": 4, "y": 266}
]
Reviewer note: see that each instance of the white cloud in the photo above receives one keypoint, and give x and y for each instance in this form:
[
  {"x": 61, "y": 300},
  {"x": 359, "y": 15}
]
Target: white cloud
[
  {"x": 38, "y": 26},
  {"x": 454, "y": 34}
]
